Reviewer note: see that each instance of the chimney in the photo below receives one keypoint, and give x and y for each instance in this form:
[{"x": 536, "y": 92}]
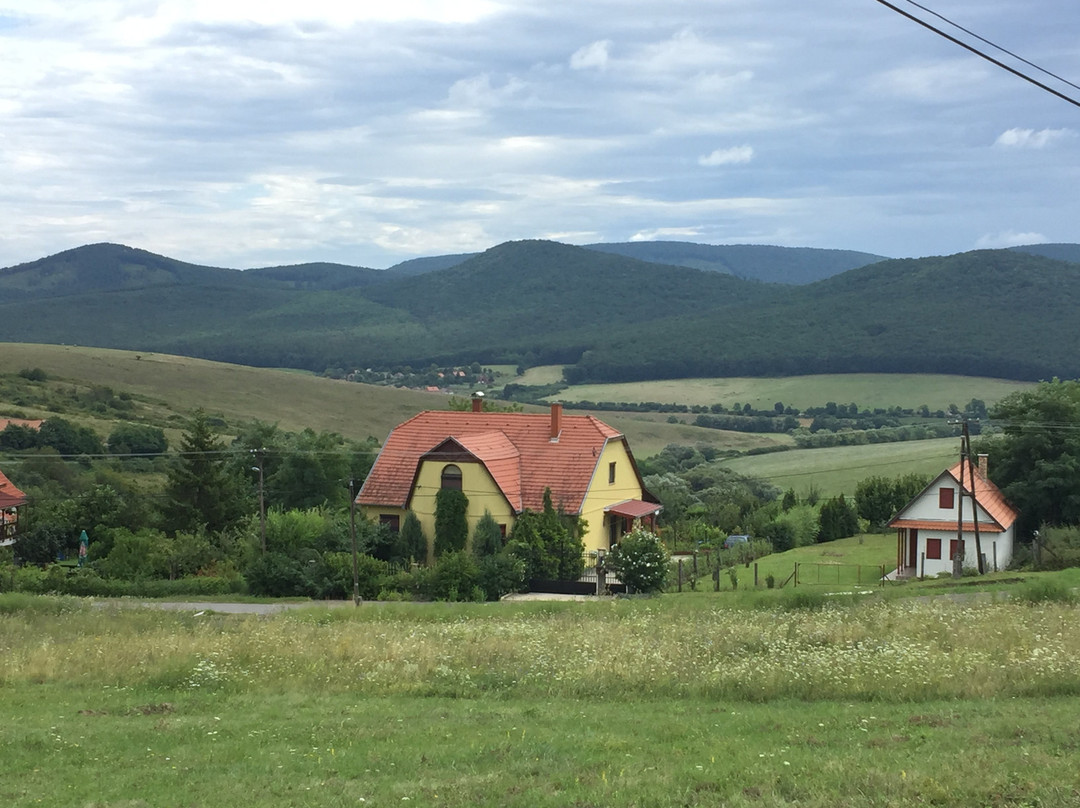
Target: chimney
[
  {"x": 984, "y": 464},
  {"x": 556, "y": 421},
  {"x": 478, "y": 401}
]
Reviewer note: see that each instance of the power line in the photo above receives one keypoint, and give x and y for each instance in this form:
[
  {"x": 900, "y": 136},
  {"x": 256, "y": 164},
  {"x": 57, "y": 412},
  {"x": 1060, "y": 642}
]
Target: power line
[
  {"x": 982, "y": 54},
  {"x": 993, "y": 44}
]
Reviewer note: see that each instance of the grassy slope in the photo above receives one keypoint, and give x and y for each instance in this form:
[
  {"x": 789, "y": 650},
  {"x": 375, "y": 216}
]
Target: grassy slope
[
  {"x": 294, "y": 400},
  {"x": 839, "y": 469}
]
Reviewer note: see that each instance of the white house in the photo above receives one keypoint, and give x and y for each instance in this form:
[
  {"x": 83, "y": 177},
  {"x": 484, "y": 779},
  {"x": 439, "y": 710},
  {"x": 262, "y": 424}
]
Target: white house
[{"x": 932, "y": 527}]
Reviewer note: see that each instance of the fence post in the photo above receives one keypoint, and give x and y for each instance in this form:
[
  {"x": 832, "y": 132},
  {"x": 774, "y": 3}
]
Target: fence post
[
  {"x": 795, "y": 578},
  {"x": 755, "y": 576},
  {"x": 680, "y": 575}
]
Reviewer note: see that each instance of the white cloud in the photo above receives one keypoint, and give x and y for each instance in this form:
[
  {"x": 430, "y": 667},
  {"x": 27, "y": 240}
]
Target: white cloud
[
  {"x": 479, "y": 91},
  {"x": 727, "y": 157},
  {"x": 593, "y": 55},
  {"x": 666, "y": 232},
  {"x": 1032, "y": 139},
  {"x": 1008, "y": 238}
]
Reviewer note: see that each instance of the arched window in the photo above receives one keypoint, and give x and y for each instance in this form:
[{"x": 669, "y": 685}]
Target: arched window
[{"x": 451, "y": 477}]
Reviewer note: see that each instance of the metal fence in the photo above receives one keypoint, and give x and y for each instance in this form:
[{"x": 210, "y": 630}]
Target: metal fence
[{"x": 820, "y": 574}]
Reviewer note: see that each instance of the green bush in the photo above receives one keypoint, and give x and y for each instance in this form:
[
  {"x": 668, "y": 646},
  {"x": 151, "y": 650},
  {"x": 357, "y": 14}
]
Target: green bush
[
  {"x": 453, "y": 577},
  {"x": 796, "y": 599},
  {"x": 500, "y": 575}
]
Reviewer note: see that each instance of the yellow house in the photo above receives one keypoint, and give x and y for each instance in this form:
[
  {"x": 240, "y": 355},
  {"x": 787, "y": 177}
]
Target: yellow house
[{"x": 503, "y": 461}]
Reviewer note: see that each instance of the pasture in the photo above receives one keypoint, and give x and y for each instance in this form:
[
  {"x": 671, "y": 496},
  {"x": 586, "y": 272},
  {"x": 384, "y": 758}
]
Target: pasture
[
  {"x": 696, "y": 701},
  {"x": 839, "y": 469}
]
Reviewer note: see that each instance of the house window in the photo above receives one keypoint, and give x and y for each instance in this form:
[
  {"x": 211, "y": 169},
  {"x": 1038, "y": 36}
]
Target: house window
[
  {"x": 933, "y": 548},
  {"x": 502, "y": 529},
  {"x": 451, "y": 477},
  {"x": 611, "y": 473},
  {"x": 945, "y": 498},
  {"x": 955, "y": 547},
  {"x": 391, "y": 520}
]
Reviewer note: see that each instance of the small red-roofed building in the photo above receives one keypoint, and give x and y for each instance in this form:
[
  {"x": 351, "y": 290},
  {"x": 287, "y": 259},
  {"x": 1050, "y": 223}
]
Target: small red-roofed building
[
  {"x": 503, "y": 461},
  {"x": 11, "y": 500},
  {"x": 931, "y": 528}
]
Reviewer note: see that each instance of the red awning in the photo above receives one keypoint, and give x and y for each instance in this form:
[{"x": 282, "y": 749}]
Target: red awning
[{"x": 633, "y": 508}]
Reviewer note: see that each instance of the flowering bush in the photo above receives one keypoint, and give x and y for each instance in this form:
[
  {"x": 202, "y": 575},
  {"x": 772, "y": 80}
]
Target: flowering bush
[{"x": 641, "y": 561}]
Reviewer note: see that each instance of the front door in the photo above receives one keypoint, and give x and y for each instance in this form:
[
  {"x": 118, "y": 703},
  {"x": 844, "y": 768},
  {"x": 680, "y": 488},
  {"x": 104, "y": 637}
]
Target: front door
[{"x": 913, "y": 548}]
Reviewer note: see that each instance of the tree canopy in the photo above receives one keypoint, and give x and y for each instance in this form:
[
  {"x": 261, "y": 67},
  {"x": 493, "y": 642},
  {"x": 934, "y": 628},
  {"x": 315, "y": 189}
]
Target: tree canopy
[{"x": 1036, "y": 461}]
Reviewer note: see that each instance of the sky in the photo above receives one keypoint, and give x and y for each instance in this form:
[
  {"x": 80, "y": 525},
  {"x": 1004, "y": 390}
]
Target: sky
[{"x": 243, "y": 133}]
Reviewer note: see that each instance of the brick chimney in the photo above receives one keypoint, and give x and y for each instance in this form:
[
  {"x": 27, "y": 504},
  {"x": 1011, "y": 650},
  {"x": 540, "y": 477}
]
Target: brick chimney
[
  {"x": 478, "y": 401},
  {"x": 556, "y": 421},
  {"x": 984, "y": 465}
]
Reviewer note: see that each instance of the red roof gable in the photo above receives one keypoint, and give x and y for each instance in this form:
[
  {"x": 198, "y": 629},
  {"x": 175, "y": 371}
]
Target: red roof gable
[
  {"x": 517, "y": 449},
  {"x": 10, "y": 496}
]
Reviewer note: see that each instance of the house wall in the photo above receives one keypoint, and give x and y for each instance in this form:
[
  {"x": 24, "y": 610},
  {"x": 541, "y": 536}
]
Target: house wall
[
  {"x": 477, "y": 485},
  {"x": 928, "y": 505},
  {"x": 602, "y": 493},
  {"x": 995, "y": 547}
]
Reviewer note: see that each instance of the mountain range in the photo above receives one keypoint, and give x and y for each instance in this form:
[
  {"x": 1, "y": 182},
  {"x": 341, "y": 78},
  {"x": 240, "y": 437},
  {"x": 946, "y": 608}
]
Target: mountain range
[{"x": 611, "y": 312}]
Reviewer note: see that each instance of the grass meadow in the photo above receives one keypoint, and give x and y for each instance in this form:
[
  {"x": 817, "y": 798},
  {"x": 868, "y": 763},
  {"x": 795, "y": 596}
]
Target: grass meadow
[
  {"x": 839, "y": 469},
  {"x": 719, "y": 700},
  {"x": 868, "y": 390}
]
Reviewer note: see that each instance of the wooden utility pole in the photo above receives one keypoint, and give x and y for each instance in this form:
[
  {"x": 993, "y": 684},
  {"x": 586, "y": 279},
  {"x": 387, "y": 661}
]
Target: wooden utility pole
[{"x": 966, "y": 463}]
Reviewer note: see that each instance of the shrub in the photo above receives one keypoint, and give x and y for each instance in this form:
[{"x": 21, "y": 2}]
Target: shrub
[
  {"x": 453, "y": 577},
  {"x": 500, "y": 575},
  {"x": 802, "y": 600},
  {"x": 640, "y": 560}
]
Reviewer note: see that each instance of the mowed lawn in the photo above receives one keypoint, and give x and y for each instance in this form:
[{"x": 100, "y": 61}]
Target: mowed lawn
[{"x": 670, "y": 701}]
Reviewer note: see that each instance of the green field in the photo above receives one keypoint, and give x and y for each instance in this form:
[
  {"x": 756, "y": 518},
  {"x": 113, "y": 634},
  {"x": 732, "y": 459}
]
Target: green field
[
  {"x": 673, "y": 701},
  {"x": 839, "y": 469},
  {"x": 868, "y": 390}
]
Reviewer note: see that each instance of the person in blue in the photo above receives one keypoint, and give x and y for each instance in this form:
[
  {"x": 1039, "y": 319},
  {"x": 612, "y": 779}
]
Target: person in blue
[{"x": 84, "y": 544}]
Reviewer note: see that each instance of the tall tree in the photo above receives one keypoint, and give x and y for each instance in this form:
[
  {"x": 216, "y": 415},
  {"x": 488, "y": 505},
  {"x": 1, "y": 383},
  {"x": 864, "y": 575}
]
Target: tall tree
[
  {"x": 1036, "y": 462},
  {"x": 200, "y": 490},
  {"x": 451, "y": 525}
]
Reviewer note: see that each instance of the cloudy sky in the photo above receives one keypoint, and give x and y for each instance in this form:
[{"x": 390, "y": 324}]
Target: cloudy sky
[{"x": 257, "y": 132}]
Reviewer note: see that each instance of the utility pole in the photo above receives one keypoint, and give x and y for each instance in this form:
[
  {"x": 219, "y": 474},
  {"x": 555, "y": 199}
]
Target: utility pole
[
  {"x": 262, "y": 499},
  {"x": 965, "y": 463},
  {"x": 352, "y": 533}
]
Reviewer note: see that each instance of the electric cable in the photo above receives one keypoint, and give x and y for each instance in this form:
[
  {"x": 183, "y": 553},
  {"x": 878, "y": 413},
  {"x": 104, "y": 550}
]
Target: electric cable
[{"x": 980, "y": 53}]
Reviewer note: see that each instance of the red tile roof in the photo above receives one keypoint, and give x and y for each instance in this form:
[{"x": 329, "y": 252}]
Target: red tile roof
[
  {"x": 10, "y": 496},
  {"x": 633, "y": 508},
  {"x": 943, "y": 524},
  {"x": 27, "y": 422},
  {"x": 516, "y": 448}
]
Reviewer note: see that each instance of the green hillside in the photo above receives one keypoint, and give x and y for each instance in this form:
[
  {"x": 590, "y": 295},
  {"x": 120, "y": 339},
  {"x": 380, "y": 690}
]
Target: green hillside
[{"x": 169, "y": 388}]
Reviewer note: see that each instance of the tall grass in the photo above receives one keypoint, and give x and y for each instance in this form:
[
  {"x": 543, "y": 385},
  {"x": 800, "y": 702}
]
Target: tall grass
[{"x": 897, "y": 651}]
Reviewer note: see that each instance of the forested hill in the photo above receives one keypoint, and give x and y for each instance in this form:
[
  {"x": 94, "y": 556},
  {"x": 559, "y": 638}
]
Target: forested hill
[
  {"x": 996, "y": 313},
  {"x": 1005, "y": 313},
  {"x": 792, "y": 265}
]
